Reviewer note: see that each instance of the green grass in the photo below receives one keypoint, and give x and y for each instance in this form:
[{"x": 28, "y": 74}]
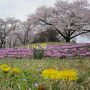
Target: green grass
[
  {"x": 48, "y": 43},
  {"x": 31, "y": 70}
]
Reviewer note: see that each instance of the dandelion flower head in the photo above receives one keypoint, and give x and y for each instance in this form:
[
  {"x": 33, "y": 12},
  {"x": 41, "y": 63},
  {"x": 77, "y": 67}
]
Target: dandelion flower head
[
  {"x": 4, "y": 66},
  {"x": 15, "y": 70},
  {"x": 43, "y": 45},
  {"x": 7, "y": 69},
  {"x": 50, "y": 73},
  {"x": 68, "y": 75}
]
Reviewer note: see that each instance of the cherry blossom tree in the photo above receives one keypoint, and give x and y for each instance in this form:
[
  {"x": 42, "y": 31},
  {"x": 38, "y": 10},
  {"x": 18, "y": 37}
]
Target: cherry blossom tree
[
  {"x": 69, "y": 19},
  {"x": 24, "y": 32},
  {"x": 6, "y": 27}
]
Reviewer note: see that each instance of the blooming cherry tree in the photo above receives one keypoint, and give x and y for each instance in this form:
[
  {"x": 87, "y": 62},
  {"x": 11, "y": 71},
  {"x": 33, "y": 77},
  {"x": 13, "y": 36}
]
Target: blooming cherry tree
[{"x": 69, "y": 19}]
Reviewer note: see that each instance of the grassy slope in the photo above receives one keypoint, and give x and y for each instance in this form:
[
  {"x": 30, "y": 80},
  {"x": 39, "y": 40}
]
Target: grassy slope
[{"x": 48, "y": 43}]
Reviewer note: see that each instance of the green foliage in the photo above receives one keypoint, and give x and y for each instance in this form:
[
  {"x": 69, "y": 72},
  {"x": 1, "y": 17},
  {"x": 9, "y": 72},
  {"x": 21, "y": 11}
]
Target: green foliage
[{"x": 38, "y": 54}]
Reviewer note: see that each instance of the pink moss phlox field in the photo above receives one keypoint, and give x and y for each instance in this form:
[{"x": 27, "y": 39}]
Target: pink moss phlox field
[{"x": 60, "y": 51}]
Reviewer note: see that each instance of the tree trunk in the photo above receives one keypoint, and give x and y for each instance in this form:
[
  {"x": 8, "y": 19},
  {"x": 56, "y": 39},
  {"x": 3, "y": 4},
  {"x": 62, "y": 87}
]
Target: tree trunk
[
  {"x": 1, "y": 44},
  {"x": 67, "y": 39},
  {"x": 4, "y": 44}
]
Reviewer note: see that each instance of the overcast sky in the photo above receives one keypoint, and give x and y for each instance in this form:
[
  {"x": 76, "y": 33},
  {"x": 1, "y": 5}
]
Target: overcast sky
[{"x": 21, "y": 8}]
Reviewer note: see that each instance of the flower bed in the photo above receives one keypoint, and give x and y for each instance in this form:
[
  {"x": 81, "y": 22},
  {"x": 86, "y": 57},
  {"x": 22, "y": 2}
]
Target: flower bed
[{"x": 60, "y": 51}]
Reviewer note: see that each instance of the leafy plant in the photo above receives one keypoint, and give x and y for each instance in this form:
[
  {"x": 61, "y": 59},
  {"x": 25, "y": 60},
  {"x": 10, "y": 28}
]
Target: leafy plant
[{"x": 38, "y": 51}]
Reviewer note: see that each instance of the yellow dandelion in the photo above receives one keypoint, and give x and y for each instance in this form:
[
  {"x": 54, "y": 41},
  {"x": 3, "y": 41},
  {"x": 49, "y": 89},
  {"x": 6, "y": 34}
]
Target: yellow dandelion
[
  {"x": 50, "y": 73},
  {"x": 35, "y": 46},
  {"x": 7, "y": 69},
  {"x": 3, "y": 66},
  {"x": 68, "y": 75},
  {"x": 15, "y": 70},
  {"x": 43, "y": 45}
]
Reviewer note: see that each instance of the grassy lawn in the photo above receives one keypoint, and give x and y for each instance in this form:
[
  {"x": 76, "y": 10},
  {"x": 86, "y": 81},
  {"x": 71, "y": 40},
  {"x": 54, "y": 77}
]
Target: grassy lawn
[
  {"x": 32, "y": 69},
  {"x": 49, "y": 43}
]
